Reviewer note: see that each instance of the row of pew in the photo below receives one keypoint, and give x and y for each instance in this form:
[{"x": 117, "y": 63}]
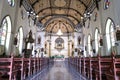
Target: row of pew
[
  {"x": 97, "y": 68},
  {"x": 21, "y": 68}
]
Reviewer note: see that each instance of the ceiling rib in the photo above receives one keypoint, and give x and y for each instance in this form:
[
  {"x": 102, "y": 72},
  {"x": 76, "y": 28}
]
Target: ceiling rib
[
  {"x": 58, "y": 15},
  {"x": 52, "y": 27},
  {"x": 71, "y": 12},
  {"x": 83, "y": 3},
  {"x": 60, "y": 8},
  {"x": 50, "y": 6},
  {"x": 69, "y": 6},
  {"x": 34, "y": 3},
  {"x": 65, "y": 26}
]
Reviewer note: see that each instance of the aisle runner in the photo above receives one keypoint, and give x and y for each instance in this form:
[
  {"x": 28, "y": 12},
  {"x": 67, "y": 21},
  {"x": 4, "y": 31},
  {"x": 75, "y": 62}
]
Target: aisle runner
[{"x": 61, "y": 71}]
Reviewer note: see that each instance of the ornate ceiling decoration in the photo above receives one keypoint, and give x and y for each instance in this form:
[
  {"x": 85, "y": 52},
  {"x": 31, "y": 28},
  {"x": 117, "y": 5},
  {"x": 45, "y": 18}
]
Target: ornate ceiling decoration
[
  {"x": 59, "y": 23},
  {"x": 74, "y": 10}
]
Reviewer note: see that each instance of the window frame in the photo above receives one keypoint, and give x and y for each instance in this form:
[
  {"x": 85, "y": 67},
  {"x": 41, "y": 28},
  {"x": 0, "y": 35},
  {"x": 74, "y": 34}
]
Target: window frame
[
  {"x": 8, "y": 32},
  {"x": 110, "y": 34}
]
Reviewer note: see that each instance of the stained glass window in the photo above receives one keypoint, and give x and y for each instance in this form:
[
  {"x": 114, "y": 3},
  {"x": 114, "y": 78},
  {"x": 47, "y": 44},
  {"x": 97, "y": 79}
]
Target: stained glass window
[
  {"x": 20, "y": 39},
  {"x": 89, "y": 45},
  {"x": 11, "y": 2},
  {"x": 97, "y": 40},
  {"x": 5, "y": 32},
  {"x": 110, "y": 36}
]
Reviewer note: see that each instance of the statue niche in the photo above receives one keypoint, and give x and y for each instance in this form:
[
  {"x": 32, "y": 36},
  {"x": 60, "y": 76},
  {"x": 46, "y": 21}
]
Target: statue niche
[
  {"x": 39, "y": 40},
  {"x": 79, "y": 40},
  {"x": 28, "y": 44}
]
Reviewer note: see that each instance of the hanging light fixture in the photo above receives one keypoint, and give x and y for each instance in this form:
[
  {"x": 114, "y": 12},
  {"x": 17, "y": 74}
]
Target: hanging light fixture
[{"x": 59, "y": 31}]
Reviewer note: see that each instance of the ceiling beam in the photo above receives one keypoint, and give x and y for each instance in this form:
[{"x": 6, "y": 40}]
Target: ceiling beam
[
  {"x": 34, "y": 3},
  {"x": 59, "y": 8},
  {"x": 50, "y": 6},
  {"x": 69, "y": 6},
  {"x": 83, "y": 3},
  {"x": 58, "y": 15}
]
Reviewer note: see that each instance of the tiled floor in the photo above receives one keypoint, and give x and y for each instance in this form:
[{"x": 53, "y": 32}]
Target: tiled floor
[{"x": 61, "y": 71}]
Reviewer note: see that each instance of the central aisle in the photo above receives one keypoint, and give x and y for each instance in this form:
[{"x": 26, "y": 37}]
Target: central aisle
[{"x": 61, "y": 71}]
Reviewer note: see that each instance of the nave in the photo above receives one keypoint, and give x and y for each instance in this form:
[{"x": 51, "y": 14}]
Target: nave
[{"x": 34, "y": 33}]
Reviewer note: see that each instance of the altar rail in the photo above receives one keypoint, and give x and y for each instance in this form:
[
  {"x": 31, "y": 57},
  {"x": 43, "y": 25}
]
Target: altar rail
[
  {"x": 21, "y": 68},
  {"x": 97, "y": 68}
]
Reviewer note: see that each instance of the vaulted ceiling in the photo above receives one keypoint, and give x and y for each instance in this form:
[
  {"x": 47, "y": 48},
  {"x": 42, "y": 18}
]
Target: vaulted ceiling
[{"x": 68, "y": 13}]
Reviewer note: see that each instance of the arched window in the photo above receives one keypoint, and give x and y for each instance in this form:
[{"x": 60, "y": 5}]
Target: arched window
[
  {"x": 97, "y": 40},
  {"x": 89, "y": 45},
  {"x": 11, "y": 2},
  {"x": 20, "y": 39},
  {"x": 5, "y": 32},
  {"x": 110, "y": 36},
  {"x": 85, "y": 48}
]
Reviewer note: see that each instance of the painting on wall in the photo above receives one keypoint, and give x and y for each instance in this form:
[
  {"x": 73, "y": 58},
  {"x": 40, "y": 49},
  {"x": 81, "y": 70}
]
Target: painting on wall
[
  {"x": 106, "y": 4},
  {"x": 95, "y": 16}
]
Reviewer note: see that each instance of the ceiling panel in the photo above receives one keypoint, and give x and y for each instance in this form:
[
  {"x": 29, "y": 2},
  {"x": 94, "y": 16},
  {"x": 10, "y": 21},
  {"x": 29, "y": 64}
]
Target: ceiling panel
[{"x": 71, "y": 10}]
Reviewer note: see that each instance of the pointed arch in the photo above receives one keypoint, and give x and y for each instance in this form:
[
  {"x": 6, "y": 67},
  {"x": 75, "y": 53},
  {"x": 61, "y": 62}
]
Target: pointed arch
[
  {"x": 5, "y": 32},
  {"x": 89, "y": 46},
  {"x": 97, "y": 40},
  {"x": 20, "y": 39},
  {"x": 110, "y": 35}
]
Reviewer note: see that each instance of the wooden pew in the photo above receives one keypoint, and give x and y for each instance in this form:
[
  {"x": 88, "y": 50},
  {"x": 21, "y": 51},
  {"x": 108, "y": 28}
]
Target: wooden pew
[
  {"x": 21, "y": 68},
  {"x": 111, "y": 68},
  {"x": 114, "y": 70},
  {"x": 82, "y": 65},
  {"x": 98, "y": 68},
  {"x": 86, "y": 67},
  {"x": 104, "y": 65},
  {"x": 116, "y": 67},
  {"x": 6, "y": 65},
  {"x": 92, "y": 67},
  {"x": 10, "y": 67}
]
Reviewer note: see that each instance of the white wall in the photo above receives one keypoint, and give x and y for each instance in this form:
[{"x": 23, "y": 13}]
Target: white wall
[
  {"x": 17, "y": 21},
  {"x": 6, "y": 9}
]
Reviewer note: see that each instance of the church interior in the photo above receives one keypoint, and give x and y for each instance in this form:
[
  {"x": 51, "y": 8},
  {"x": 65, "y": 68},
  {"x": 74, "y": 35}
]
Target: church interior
[{"x": 59, "y": 40}]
